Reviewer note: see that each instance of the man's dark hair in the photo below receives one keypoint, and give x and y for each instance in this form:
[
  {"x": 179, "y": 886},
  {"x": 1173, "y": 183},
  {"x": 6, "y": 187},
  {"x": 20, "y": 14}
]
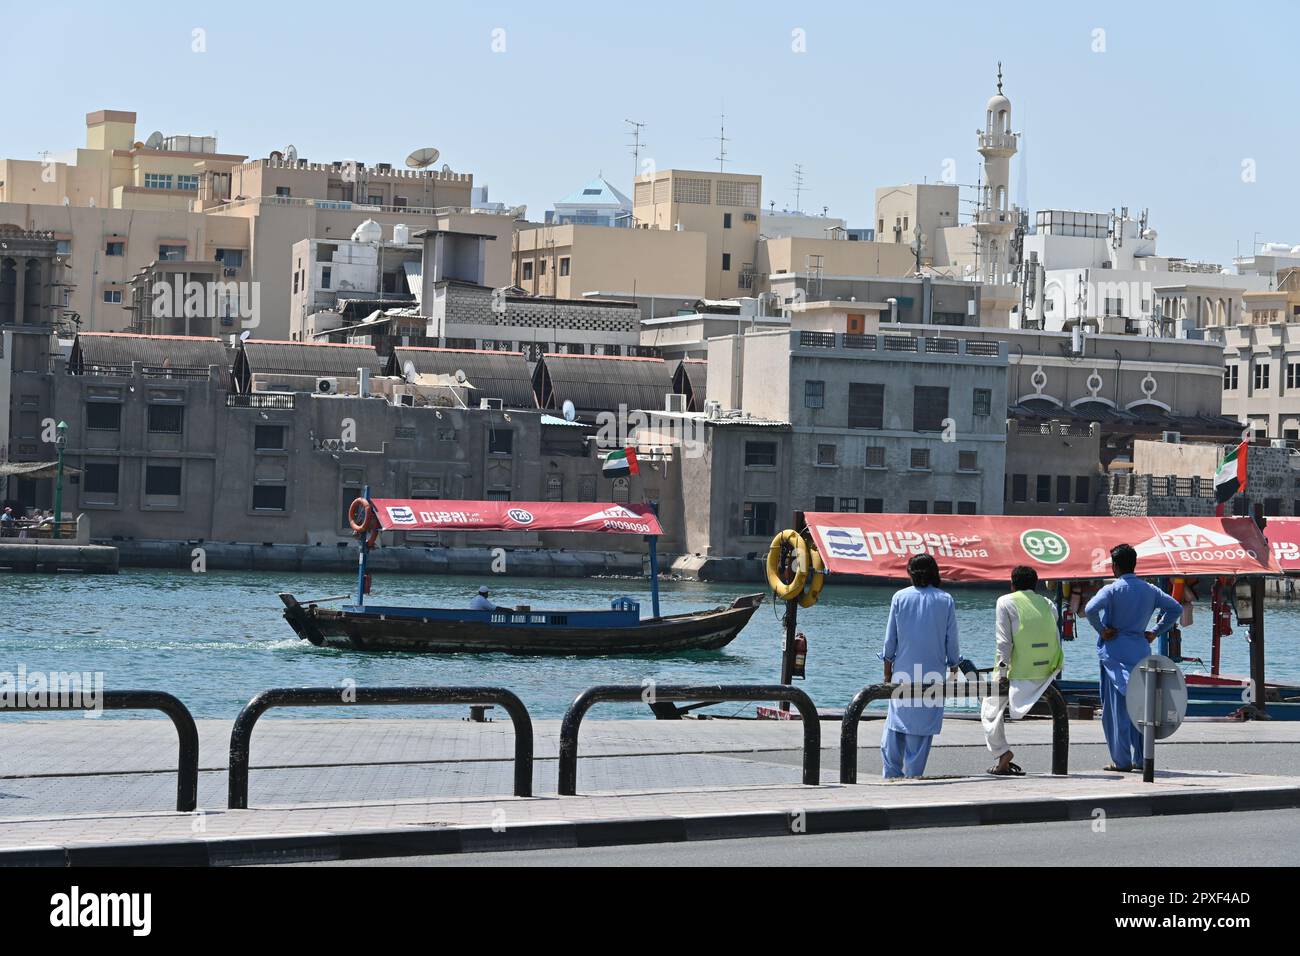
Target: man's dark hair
[
  {"x": 1124, "y": 558},
  {"x": 1024, "y": 578},
  {"x": 923, "y": 570}
]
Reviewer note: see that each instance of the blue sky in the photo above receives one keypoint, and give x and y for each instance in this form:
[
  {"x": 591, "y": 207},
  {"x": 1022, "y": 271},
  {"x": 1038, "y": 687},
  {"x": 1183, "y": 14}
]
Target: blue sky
[{"x": 1164, "y": 117}]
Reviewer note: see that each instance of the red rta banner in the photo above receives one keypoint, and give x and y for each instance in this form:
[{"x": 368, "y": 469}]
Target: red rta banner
[
  {"x": 1284, "y": 537},
  {"x": 987, "y": 547},
  {"x": 422, "y": 514}
]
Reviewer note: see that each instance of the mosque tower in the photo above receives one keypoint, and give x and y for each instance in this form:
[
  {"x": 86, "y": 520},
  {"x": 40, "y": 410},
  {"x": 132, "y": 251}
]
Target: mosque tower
[{"x": 996, "y": 219}]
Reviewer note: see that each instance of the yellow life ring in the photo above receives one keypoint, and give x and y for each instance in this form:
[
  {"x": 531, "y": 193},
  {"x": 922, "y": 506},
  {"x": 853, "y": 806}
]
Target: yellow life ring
[
  {"x": 784, "y": 591},
  {"x": 816, "y": 580}
]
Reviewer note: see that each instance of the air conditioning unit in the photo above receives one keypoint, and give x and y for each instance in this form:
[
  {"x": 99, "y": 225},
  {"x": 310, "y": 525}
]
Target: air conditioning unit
[
  {"x": 712, "y": 409},
  {"x": 674, "y": 402},
  {"x": 1174, "y": 438},
  {"x": 493, "y": 403},
  {"x": 406, "y": 398},
  {"x": 327, "y": 386}
]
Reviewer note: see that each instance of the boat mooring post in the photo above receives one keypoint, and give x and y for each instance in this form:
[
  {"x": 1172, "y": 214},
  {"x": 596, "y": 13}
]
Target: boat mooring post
[
  {"x": 790, "y": 621},
  {"x": 363, "y": 556},
  {"x": 653, "y": 542}
]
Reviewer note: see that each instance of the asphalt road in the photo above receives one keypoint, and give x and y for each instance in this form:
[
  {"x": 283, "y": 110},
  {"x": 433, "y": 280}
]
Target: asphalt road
[{"x": 1260, "y": 838}]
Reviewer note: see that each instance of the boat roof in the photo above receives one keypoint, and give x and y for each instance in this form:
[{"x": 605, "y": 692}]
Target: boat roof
[
  {"x": 423, "y": 514},
  {"x": 988, "y": 547}
]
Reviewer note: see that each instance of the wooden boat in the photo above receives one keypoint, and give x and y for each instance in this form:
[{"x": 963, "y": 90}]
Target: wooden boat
[
  {"x": 562, "y": 633},
  {"x": 618, "y": 630}
]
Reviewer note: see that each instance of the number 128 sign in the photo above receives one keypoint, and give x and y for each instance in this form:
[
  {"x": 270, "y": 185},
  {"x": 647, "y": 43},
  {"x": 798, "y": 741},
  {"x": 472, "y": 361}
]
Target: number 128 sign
[{"x": 1046, "y": 546}]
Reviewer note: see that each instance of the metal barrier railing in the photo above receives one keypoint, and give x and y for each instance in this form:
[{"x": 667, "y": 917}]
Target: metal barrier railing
[
  {"x": 568, "y": 768},
  {"x": 187, "y": 764},
  {"x": 242, "y": 732},
  {"x": 951, "y": 688}
]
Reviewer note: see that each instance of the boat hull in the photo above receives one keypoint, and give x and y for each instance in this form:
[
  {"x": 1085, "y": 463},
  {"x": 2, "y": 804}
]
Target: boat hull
[{"x": 408, "y": 631}]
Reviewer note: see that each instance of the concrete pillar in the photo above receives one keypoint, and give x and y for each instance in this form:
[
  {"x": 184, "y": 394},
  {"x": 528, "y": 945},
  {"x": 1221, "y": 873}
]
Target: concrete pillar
[{"x": 20, "y": 288}]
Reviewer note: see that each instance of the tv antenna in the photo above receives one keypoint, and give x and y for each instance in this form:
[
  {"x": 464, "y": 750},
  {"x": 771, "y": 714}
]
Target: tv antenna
[
  {"x": 723, "y": 139},
  {"x": 636, "y": 145},
  {"x": 798, "y": 186}
]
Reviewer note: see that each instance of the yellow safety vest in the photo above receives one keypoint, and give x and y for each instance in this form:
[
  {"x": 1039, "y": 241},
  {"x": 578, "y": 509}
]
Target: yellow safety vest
[{"x": 1036, "y": 646}]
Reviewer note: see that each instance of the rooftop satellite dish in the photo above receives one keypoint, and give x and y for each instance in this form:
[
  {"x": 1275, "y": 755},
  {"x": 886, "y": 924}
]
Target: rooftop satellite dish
[
  {"x": 155, "y": 140},
  {"x": 423, "y": 158},
  {"x": 446, "y": 168},
  {"x": 460, "y": 376},
  {"x": 569, "y": 412},
  {"x": 409, "y": 373},
  {"x": 244, "y": 335},
  {"x": 291, "y": 153},
  {"x": 276, "y": 156}
]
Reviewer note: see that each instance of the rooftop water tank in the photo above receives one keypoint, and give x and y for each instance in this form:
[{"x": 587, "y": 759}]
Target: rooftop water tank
[
  {"x": 368, "y": 231},
  {"x": 401, "y": 234}
]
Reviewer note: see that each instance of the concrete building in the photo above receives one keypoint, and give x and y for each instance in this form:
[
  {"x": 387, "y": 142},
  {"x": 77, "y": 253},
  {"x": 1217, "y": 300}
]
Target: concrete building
[
  {"x": 823, "y": 261},
  {"x": 598, "y": 203},
  {"x": 1261, "y": 372},
  {"x": 919, "y": 300},
  {"x": 676, "y": 337},
  {"x": 794, "y": 224},
  {"x": 571, "y": 261},
  {"x": 725, "y": 207},
  {"x": 927, "y": 209}
]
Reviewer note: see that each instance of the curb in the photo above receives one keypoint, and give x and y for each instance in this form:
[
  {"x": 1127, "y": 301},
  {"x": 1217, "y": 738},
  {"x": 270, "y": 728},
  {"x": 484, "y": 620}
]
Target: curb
[{"x": 436, "y": 841}]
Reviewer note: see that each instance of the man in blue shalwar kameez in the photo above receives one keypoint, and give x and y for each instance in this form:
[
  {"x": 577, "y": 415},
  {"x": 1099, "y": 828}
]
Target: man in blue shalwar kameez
[
  {"x": 920, "y": 643},
  {"x": 1120, "y": 613}
]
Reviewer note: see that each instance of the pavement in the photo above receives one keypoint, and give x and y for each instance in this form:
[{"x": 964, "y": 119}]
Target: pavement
[{"x": 339, "y": 789}]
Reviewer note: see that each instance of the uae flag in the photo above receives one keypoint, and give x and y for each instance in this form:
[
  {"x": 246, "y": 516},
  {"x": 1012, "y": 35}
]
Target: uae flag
[
  {"x": 1230, "y": 479},
  {"x": 620, "y": 464}
]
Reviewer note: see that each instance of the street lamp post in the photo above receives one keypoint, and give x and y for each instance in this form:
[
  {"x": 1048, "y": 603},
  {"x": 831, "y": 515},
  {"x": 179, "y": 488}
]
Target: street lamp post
[{"x": 61, "y": 442}]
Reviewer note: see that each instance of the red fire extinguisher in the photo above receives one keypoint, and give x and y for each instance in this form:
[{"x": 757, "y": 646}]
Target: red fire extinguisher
[
  {"x": 366, "y": 583},
  {"x": 800, "y": 656},
  {"x": 1224, "y": 609},
  {"x": 1067, "y": 623}
]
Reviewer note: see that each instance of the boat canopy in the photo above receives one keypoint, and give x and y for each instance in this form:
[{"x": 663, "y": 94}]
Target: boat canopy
[
  {"x": 423, "y": 514},
  {"x": 1284, "y": 536},
  {"x": 987, "y": 547}
]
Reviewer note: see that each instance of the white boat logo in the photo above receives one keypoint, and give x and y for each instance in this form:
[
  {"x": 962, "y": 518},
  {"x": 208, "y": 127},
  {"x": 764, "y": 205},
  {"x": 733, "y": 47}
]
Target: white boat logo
[
  {"x": 520, "y": 515},
  {"x": 399, "y": 514},
  {"x": 1185, "y": 538},
  {"x": 615, "y": 511}
]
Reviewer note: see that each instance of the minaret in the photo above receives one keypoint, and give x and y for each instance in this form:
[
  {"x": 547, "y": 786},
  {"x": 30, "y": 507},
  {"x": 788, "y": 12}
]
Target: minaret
[{"x": 996, "y": 219}]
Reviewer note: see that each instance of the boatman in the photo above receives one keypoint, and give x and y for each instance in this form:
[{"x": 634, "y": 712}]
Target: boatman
[
  {"x": 1029, "y": 654},
  {"x": 1120, "y": 613},
  {"x": 7, "y": 523},
  {"x": 480, "y": 601},
  {"x": 920, "y": 641}
]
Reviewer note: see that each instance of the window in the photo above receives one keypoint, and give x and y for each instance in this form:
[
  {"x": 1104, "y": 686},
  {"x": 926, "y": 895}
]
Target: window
[
  {"x": 1261, "y": 374},
  {"x": 99, "y": 478},
  {"x": 157, "y": 181},
  {"x": 1019, "y": 488},
  {"x": 188, "y": 183},
  {"x": 527, "y": 269},
  {"x": 282, "y": 190},
  {"x": 943, "y": 507},
  {"x": 760, "y": 454},
  {"x": 564, "y": 265},
  {"x": 1063, "y": 489},
  {"x": 917, "y": 507},
  {"x": 866, "y": 405},
  {"x": 929, "y": 408},
  {"x": 823, "y": 503},
  {"x": 374, "y": 199},
  {"x": 268, "y": 438},
  {"x": 232, "y": 258},
  {"x": 541, "y": 267},
  {"x": 982, "y": 401},
  {"x": 112, "y": 296},
  {"x": 968, "y": 461},
  {"x": 1230, "y": 377},
  {"x": 849, "y": 505},
  {"x": 168, "y": 419},
  {"x": 919, "y": 459},
  {"x": 967, "y": 508},
  {"x": 875, "y": 457},
  {"x": 104, "y": 416},
  {"x": 63, "y": 247},
  {"x": 501, "y": 441},
  {"x": 1082, "y": 493},
  {"x": 814, "y": 394},
  {"x": 1292, "y": 375},
  {"x": 1044, "y": 489},
  {"x": 270, "y": 497},
  {"x": 171, "y": 253},
  {"x": 501, "y": 494},
  {"x": 726, "y": 262},
  {"x": 163, "y": 480},
  {"x": 326, "y": 277},
  {"x": 726, "y": 220},
  {"x": 759, "y": 519},
  {"x": 115, "y": 249},
  {"x": 873, "y": 506},
  {"x": 826, "y": 454}
]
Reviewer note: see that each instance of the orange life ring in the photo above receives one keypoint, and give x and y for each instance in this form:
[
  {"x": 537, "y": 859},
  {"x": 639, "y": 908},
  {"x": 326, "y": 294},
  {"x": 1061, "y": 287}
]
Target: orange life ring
[{"x": 362, "y": 517}]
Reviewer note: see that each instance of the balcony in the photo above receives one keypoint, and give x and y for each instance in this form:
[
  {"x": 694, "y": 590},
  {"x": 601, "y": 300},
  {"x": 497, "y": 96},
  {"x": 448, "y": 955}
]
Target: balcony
[{"x": 261, "y": 400}]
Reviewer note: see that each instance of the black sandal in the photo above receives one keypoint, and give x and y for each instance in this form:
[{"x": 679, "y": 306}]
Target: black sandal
[
  {"x": 1011, "y": 770},
  {"x": 1115, "y": 769}
]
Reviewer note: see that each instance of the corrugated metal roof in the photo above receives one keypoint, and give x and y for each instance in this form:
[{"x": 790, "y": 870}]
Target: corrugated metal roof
[
  {"x": 308, "y": 358},
  {"x": 106, "y": 349},
  {"x": 691, "y": 379},
  {"x": 502, "y": 375},
  {"x": 600, "y": 383}
]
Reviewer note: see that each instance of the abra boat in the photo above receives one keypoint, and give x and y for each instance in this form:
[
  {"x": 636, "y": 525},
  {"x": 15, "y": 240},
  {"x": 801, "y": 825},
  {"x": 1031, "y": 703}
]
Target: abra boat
[{"x": 617, "y": 630}]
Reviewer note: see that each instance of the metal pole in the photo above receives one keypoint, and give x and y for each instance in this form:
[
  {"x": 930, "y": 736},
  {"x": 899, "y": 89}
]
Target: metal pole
[
  {"x": 1257, "y": 645},
  {"x": 362, "y": 558},
  {"x": 1149, "y": 723},
  {"x": 58, "y": 486},
  {"x": 653, "y": 541},
  {"x": 791, "y": 623}
]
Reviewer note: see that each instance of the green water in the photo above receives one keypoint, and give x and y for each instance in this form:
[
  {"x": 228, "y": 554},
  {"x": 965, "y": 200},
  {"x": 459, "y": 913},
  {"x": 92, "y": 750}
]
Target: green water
[{"x": 215, "y": 639}]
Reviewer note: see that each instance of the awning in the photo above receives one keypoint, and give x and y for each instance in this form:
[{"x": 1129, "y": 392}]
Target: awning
[
  {"x": 1284, "y": 537},
  {"x": 35, "y": 469},
  {"x": 987, "y": 547},
  {"x": 441, "y": 515}
]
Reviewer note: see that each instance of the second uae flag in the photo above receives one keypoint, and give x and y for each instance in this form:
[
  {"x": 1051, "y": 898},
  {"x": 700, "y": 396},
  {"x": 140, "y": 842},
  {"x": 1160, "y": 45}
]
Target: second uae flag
[{"x": 1230, "y": 478}]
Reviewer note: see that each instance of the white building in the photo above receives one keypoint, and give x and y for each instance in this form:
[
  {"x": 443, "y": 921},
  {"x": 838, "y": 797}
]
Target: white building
[
  {"x": 597, "y": 203},
  {"x": 793, "y": 224}
]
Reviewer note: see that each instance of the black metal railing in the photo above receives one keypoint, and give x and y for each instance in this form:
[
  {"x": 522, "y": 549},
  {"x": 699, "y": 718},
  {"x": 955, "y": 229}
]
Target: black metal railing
[
  {"x": 187, "y": 764},
  {"x": 242, "y": 733},
  {"x": 817, "y": 340},
  {"x": 950, "y": 688},
  {"x": 654, "y": 693},
  {"x": 978, "y": 347},
  {"x": 262, "y": 400}
]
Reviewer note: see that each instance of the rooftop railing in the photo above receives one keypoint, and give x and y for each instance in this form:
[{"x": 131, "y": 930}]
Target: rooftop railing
[{"x": 886, "y": 342}]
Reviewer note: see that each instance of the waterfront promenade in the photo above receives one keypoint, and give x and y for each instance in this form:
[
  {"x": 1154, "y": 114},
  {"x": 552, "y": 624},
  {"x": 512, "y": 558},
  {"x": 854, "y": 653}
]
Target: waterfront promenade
[{"x": 352, "y": 788}]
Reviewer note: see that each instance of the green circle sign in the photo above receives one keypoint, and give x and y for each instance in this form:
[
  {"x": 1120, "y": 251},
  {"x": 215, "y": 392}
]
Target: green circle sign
[{"x": 1045, "y": 546}]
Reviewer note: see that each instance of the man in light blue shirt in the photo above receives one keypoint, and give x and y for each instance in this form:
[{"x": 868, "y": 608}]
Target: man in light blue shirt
[
  {"x": 481, "y": 602},
  {"x": 1120, "y": 613},
  {"x": 920, "y": 643}
]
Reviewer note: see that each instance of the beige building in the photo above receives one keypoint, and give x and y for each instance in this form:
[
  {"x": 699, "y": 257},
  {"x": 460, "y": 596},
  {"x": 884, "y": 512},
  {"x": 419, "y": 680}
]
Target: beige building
[
  {"x": 724, "y": 207},
  {"x": 827, "y": 260},
  {"x": 570, "y": 261},
  {"x": 1261, "y": 360}
]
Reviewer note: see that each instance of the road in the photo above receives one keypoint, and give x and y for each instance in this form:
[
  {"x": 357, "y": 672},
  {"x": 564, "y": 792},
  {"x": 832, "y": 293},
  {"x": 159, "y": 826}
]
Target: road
[{"x": 1261, "y": 838}]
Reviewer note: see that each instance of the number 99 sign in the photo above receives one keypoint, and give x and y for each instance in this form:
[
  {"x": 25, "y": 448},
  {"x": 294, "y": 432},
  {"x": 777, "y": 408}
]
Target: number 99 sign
[{"x": 1045, "y": 546}]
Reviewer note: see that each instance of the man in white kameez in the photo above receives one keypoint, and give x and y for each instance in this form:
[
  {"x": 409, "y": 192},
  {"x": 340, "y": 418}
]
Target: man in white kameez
[{"x": 1029, "y": 653}]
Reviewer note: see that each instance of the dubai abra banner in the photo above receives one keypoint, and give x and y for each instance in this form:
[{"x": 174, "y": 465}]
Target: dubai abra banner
[
  {"x": 440, "y": 515},
  {"x": 987, "y": 547}
]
